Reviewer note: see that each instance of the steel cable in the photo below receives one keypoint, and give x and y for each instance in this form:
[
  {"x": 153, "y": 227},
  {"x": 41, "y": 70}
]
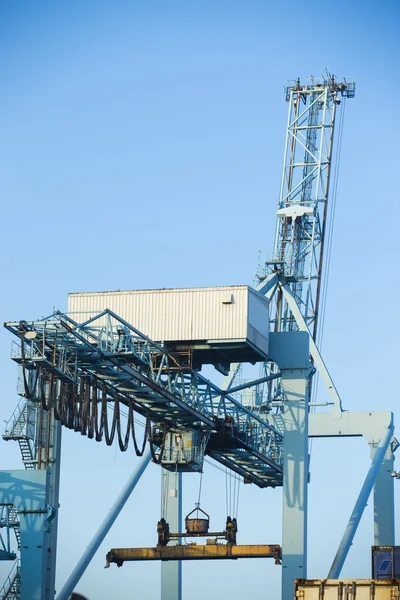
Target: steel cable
[
  {"x": 145, "y": 437},
  {"x": 109, "y": 436},
  {"x": 329, "y": 245},
  {"x": 77, "y": 409},
  {"x": 70, "y": 413},
  {"x": 158, "y": 458},
  {"x": 76, "y": 412},
  {"x": 123, "y": 443},
  {"x": 85, "y": 404},
  {"x": 201, "y": 481},
  {"x": 92, "y": 410}
]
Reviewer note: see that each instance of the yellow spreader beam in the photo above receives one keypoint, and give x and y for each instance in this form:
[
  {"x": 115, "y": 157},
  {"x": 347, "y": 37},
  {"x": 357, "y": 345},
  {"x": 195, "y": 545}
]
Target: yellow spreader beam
[{"x": 194, "y": 552}]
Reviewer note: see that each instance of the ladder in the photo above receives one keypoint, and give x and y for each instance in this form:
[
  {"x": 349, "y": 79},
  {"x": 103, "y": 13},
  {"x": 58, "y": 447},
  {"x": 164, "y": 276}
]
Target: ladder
[{"x": 11, "y": 589}]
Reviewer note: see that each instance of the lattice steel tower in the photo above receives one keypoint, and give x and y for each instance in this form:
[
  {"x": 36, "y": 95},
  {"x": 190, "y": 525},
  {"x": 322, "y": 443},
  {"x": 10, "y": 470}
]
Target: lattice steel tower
[{"x": 303, "y": 201}]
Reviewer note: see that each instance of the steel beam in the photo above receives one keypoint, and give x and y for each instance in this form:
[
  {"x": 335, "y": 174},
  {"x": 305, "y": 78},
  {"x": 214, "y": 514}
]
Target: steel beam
[
  {"x": 53, "y": 504},
  {"x": 267, "y": 286},
  {"x": 290, "y": 351},
  {"x": 360, "y": 505},
  {"x": 194, "y": 552},
  {"x": 384, "y": 499},
  {"x": 145, "y": 377},
  {"x": 315, "y": 354},
  {"x": 372, "y": 426},
  {"x": 29, "y": 492},
  {"x": 171, "y": 497},
  {"x": 248, "y": 384},
  {"x": 5, "y": 555}
]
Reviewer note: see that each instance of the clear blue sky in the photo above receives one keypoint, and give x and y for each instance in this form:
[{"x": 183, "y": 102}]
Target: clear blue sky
[{"x": 141, "y": 147}]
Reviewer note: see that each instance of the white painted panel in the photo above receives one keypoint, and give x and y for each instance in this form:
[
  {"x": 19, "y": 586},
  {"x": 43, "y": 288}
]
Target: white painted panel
[
  {"x": 258, "y": 313},
  {"x": 174, "y": 314}
]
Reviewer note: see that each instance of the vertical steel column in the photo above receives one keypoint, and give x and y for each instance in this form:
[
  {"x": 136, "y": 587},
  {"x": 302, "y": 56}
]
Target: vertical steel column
[
  {"x": 384, "y": 500},
  {"x": 290, "y": 351},
  {"x": 28, "y": 491},
  {"x": 295, "y": 478},
  {"x": 51, "y": 527},
  {"x": 171, "y": 572}
]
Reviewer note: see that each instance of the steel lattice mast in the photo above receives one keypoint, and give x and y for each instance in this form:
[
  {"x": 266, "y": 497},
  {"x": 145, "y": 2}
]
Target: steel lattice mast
[{"x": 303, "y": 201}]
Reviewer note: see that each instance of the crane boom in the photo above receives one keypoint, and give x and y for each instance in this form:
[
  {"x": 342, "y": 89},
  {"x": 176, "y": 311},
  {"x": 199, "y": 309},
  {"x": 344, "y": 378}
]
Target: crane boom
[{"x": 303, "y": 200}]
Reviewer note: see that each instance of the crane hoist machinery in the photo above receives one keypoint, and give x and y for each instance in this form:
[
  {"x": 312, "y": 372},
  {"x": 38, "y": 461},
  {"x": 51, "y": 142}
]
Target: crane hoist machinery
[
  {"x": 118, "y": 360},
  {"x": 195, "y": 527}
]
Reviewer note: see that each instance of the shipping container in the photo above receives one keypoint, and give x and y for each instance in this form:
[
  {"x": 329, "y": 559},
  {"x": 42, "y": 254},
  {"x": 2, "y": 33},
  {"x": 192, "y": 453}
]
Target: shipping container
[
  {"x": 217, "y": 325},
  {"x": 346, "y": 589},
  {"x": 386, "y": 562}
]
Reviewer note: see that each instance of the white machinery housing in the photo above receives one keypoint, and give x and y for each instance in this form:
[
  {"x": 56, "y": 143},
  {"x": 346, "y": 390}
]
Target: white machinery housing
[{"x": 217, "y": 325}]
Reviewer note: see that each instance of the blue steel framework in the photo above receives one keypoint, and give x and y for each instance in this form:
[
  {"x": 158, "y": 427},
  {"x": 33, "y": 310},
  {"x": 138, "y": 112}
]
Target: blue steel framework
[
  {"x": 94, "y": 357},
  {"x": 303, "y": 202},
  {"x": 9, "y": 521},
  {"x": 136, "y": 372}
]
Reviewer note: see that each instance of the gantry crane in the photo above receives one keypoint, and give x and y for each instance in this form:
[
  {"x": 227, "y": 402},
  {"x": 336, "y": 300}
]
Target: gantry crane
[{"x": 79, "y": 372}]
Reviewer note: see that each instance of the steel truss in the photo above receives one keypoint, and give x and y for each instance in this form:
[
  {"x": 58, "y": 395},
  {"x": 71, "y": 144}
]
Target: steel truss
[
  {"x": 303, "y": 200},
  {"x": 8, "y": 521},
  {"x": 105, "y": 361}
]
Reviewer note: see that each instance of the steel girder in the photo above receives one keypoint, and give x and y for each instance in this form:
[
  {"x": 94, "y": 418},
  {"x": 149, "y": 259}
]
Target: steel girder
[{"x": 118, "y": 357}]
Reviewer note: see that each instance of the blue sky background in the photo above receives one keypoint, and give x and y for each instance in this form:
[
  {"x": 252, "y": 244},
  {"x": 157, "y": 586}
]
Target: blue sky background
[{"x": 141, "y": 147}]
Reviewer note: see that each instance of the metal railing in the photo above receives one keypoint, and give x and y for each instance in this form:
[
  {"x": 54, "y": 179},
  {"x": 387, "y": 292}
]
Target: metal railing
[
  {"x": 111, "y": 351},
  {"x": 11, "y": 589}
]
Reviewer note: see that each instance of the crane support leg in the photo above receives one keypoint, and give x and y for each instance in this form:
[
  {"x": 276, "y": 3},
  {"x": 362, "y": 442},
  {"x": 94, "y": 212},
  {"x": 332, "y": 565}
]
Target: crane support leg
[
  {"x": 171, "y": 494},
  {"x": 384, "y": 499},
  {"x": 290, "y": 351},
  {"x": 361, "y": 503},
  {"x": 29, "y": 491},
  {"x": 372, "y": 426},
  {"x": 35, "y": 494},
  {"x": 54, "y": 494}
]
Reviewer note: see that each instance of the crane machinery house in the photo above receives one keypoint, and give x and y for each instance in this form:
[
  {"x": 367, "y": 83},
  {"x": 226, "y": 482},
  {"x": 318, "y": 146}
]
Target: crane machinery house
[{"x": 213, "y": 325}]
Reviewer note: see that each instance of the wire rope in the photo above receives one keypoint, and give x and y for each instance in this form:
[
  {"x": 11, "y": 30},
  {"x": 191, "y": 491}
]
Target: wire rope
[
  {"x": 222, "y": 469},
  {"x": 201, "y": 481},
  {"x": 77, "y": 408},
  {"x": 165, "y": 488},
  {"x": 329, "y": 245},
  {"x": 332, "y": 219},
  {"x": 237, "y": 498},
  {"x": 230, "y": 493},
  {"x": 226, "y": 490}
]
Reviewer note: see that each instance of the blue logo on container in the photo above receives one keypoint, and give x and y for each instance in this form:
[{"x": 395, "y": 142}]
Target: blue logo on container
[{"x": 384, "y": 567}]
